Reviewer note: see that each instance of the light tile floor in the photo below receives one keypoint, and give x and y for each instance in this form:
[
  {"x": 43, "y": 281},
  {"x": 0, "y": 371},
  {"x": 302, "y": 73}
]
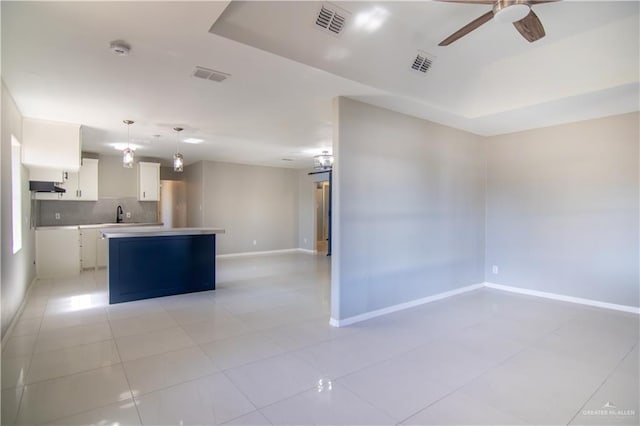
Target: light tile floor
[{"x": 259, "y": 350}]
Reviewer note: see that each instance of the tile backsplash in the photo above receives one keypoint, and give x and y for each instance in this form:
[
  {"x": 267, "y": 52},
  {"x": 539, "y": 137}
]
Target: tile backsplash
[{"x": 89, "y": 212}]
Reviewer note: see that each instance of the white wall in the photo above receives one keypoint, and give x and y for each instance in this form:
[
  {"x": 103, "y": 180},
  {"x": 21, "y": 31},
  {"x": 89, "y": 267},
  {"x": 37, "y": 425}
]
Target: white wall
[
  {"x": 563, "y": 209},
  {"x": 409, "y": 209},
  {"x": 17, "y": 270}
]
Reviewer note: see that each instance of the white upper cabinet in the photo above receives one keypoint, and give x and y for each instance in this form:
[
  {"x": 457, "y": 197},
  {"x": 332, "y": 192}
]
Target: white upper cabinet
[
  {"x": 80, "y": 186},
  {"x": 88, "y": 180},
  {"x": 148, "y": 181},
  {"x": 49, "y": 145}
]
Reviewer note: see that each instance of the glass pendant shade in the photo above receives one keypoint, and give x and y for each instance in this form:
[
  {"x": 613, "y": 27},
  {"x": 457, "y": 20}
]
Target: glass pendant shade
[
  {"x": 127, "y": 154},
  {"x": 178, "y": 159},
  {"x": 323, "y": 161},
  {"x": 127, "y": 158},
  {"x": 178, "y": 162}
]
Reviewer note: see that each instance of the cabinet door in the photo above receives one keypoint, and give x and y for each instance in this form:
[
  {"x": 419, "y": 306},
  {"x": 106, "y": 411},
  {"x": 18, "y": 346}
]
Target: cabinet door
[
  {"x": 148, "y": 181},
  {"x": 88, "y": 180},
  {"x": 101, "y": 251},
  {"x": 71, "y": 186},
  {"x": 47, "y": 175},
  {"x": 88, "y": 248},
  {"x": 57, "y": 253}
]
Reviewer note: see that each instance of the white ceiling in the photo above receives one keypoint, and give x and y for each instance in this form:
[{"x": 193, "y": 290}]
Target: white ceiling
[{"x": 277, "y": 103}]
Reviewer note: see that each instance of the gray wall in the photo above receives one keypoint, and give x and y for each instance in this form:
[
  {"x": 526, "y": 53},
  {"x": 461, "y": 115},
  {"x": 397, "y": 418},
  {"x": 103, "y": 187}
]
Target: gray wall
[
  {"x": 115, "y": 181},
  {"x": 251, "y": 203},
  {"x": 562, "y": 209},
  {"x": 409, "y": 209},
  {"x": 193, "y": 175},
  {"x": 17, "y": 270},
  {"x": 167, "y": 173}
]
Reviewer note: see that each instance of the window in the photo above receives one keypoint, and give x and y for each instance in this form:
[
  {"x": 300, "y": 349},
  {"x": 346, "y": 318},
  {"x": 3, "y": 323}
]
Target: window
[{"x": 16, "y": 194}]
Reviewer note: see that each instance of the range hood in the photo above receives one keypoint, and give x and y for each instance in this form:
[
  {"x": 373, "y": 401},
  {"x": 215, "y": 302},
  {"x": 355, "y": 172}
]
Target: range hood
[{"x": 42, "y": 186}]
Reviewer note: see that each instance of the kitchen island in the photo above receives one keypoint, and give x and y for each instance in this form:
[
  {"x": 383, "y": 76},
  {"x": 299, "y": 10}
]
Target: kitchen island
[{"x": 147, "y": 262}]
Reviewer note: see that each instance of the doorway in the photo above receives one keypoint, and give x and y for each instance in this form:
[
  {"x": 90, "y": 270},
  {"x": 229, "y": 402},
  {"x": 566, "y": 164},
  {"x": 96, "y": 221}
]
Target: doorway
[
  {"x": 173, "y": 204},
  {"x": 322, "y": 228}
]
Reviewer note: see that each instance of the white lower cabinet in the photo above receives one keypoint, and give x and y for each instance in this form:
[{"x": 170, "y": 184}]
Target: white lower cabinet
[
  {"x": 93, "y": 249},
  {"x": 87, "y": 248},
  {"x": 57, "y": 252}
]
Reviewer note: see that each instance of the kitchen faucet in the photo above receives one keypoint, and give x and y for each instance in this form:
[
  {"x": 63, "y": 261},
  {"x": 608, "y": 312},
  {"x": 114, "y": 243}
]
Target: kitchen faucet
[{"x": 119, "y": 214}]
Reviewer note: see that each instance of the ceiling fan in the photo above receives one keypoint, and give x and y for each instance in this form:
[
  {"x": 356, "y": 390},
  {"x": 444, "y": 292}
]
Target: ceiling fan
[{"x": 519, "y": 12}]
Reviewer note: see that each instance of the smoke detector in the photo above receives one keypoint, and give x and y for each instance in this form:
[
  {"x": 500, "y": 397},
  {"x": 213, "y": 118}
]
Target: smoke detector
[{"x": 120, "y": 48}]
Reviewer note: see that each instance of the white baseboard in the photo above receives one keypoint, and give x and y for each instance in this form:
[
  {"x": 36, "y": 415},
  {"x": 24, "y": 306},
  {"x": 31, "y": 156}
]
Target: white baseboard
[
  {"x": 16, "y": 317},
  {"x": 264, "y": 253},
  {"x": 301, "y": 250},
  {"x": 563, "y": 298},
  {"x": 255, "y": 253},
  {"x": 401, "y": 306}
]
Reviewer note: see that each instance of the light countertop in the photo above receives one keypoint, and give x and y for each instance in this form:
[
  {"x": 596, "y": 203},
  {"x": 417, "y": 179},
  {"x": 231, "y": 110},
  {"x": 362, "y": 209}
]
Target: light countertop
[
  {"x": 156, "y": 231},
  {"x": 97, "y": 225}
]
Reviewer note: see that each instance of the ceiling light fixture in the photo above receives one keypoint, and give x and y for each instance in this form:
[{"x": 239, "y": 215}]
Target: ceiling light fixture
[
  {"x": 323, "y": 161},
  {"x": 371, "y": 20},
  {"x": 192, "y": 140},
  {"x": 506, "y": 11},
  {"x": 178, "y": 159},
  {"x": 128, "y": 153}
]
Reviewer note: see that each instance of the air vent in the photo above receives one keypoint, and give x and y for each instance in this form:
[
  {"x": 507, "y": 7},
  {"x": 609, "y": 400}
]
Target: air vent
[
  {"x": 422, "y": 62},
  {"x": 331, "y": 19},
  {"x": 209, "y": 74}
]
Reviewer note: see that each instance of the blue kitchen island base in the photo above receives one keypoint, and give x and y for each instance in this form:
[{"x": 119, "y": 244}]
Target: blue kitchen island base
[{"x": 146, "y": 266}]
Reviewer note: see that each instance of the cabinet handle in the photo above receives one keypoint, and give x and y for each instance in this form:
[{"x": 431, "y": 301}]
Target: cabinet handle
[
  {"x": 80, "y": 191},
  {"x": 144, "y": 194}
]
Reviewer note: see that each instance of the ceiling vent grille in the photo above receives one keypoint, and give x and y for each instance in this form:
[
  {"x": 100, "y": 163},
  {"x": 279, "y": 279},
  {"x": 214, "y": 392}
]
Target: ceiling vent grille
[
  {"x": 422, "y": 62},
  {"x": 331, "y": 19},
  {"x": 209, "y": 74}
]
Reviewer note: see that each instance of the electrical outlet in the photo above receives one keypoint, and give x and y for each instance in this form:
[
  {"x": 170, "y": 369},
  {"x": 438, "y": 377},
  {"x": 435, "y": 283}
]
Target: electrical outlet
[
  {"x": 128, "y": 215},
  {"x": 305, "y": 241},
  {"x": 494, "y": 269},
  {"x": 57, "y": 216},
  {"x": 255, "y": 242}
]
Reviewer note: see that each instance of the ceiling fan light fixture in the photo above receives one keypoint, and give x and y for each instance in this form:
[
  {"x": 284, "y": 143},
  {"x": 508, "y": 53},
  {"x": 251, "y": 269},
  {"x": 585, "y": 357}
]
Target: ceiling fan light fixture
[
  {"x": 505, "y": 11},
  {"x": 323, "y": 161}
]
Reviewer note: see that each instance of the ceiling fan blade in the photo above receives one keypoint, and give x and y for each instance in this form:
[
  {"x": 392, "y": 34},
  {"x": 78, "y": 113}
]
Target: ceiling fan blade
[
  {"x": 467, "y": 28},
  {"x": 530, "y": 27}
]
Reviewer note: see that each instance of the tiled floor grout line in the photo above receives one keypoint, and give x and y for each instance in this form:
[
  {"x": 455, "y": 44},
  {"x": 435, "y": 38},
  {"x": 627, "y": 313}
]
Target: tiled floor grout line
[
  {"x": 502, "y": 362},
  {"x": 124, "y": 370},
  {"x": 19, "y": 405},
  {"x": 611, "y": 373}
]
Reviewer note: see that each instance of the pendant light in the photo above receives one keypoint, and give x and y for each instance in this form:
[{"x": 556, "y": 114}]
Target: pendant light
[
  {"x": 127, "y": 154},
  {"x": 323, "y": 161},
  {"x": 178, "y": 159}
]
